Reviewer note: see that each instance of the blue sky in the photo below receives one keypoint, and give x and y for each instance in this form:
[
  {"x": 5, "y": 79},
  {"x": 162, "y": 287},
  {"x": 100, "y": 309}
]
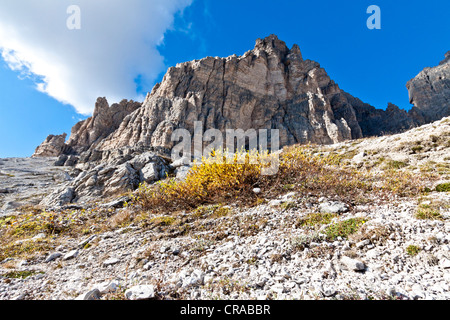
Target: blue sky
[{"x": 373, "y": 65}]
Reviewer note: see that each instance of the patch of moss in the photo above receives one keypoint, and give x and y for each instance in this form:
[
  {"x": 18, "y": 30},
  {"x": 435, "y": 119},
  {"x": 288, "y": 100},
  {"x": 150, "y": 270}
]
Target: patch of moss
[
  {"x": 214, "y": 211},
  {"x": 163, "y": 221}
]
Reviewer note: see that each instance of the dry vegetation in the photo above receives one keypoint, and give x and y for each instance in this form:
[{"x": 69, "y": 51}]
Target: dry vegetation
[
  {"x": 213, "y": 190},
  {"x": 301, "y": 169}
]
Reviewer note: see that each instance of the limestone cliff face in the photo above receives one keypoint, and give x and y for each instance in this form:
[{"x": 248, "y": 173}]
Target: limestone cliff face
[
  {"x": 269, "y": 87},
  {"x": 429, "y": 91}
]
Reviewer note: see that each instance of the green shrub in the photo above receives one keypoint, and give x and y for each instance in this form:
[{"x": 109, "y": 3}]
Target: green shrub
[{"x": 301, "y": 168}]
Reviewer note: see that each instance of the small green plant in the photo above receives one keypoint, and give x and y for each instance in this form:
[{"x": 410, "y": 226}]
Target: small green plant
[
  {"x": 252, "y": 260},
  {"x": 412, "y": 250},
  {"x": 434, "y": 139},
  {"x": 303, "y": 241},
  {"x": 201, "y": 245},
  {"x": 289, "y": 187},
  {"x": 20, "y": 274},
  {"x": 314, "y": 219},
  {"x": 416, "y": 149},
  {"x": 392, "y": 164},
  {"x": 344, "y": 228},
  {"x": 444, "y": 187},
  {"x": 214, "y": 211},
  {"x": 163, "y": 221},
  {"x": 427, "y": 212},
  {"x": 288, "y": 205}
]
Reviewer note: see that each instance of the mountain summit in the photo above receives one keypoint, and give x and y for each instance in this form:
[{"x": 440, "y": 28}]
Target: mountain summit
[{"x": 269, "y": 87}]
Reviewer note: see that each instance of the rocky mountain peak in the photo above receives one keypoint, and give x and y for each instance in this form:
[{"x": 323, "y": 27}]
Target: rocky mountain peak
[
  {"x": 272, "y": 44},
  {"x": 101, "y": 106},
  {"x": 104, "y": 121},
  {"x": 429, "y": 92},
  {"x": 268, "y": 87},
  {"x": 447, "y": 58}
]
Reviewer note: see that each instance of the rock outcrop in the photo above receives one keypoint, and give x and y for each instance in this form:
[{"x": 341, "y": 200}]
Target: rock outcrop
[
  {"x": 112, "y": 176},
  {"x": 429, "y": 91},
  {"x": 53, "y": 146},
  {"x": 105, "y": 120}
]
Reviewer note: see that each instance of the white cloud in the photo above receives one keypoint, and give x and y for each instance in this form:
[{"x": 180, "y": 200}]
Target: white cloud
[{"x": 116, "y": 44}]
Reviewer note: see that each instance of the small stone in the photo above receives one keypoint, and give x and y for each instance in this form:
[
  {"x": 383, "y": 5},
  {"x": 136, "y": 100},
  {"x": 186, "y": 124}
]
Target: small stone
[
  {"x": 83, "y": 243},
  {"x": 6, "y": 260},
  {"x": 39, "y": 236},
  {"x": 91, "y": 295},
  {"x": 53, "y": 257},
  {"x": 108, "y": 287},
  {"x": 445, "y": 264},
  {"x": 278, "y": 289},
  {"x": 110, "y": 262},
  {"x": 39, "y": 276},
  {"x": 164, "y": 249},
  {"x": 275, "y": 203},
  {"x": 329, "y": 292},
  {"x": 353, "y": 264},
  {"x": 333, "y": 207},
  {"x": 440, "y": 236},
  {"x": 118, "y": 203},
  {"x": 71, "y": 255},
  {"x": 362, "y": 244},
  {"x": 392, "y": 292},
  {"x": 142, "y": 292},
  {"x": 148, "y": 265},
  {"x": 371, "y": 254},
  {"x": 19, "y": 297}
]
